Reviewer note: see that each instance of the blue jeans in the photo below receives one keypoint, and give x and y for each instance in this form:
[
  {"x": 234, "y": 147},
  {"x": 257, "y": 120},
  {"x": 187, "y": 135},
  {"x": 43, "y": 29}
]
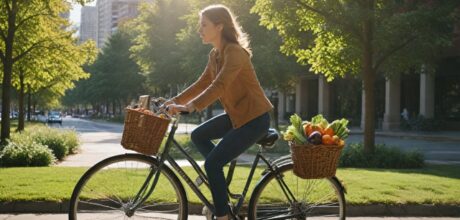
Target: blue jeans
[{"x": 234, "y": 142}]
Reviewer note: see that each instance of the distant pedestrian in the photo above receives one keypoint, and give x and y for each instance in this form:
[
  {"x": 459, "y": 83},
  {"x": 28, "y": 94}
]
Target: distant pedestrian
[{"x": 405, "y": 114}]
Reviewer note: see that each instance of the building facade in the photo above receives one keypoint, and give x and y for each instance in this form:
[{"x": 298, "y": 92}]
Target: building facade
[
  {"x": 430, "y": 96},
  {"x": 111, "y": 13},
  {"x": 88, "y": 24}
]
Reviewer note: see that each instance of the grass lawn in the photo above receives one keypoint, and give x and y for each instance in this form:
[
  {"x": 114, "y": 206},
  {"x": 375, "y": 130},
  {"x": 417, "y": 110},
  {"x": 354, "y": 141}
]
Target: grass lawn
[{"x": 431, "y": 185}]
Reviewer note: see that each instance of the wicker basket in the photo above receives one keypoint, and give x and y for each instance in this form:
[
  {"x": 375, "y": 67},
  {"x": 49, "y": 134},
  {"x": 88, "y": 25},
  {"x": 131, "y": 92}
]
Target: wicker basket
[
  {"x": 315, "y": 161},
  {"x": 143, "y": 132}
]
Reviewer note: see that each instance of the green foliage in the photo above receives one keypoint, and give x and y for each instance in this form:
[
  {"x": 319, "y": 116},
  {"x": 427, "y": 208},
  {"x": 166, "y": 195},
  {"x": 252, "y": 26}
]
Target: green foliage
[
  {"x": 384, "y": 157},
  {"x": 71, "y": 140},
  {"x": 38, "y": 52},
  {"x": 24, "y": 151},
  {"x": 55, "y": 140},
  {"x": 38, "y": 145},
  {"x": 113, "y": 68},
  {"x": 328, "y": 34},
  {"x": 155, "y": 46},
  {"x": 60, "y": 142}
]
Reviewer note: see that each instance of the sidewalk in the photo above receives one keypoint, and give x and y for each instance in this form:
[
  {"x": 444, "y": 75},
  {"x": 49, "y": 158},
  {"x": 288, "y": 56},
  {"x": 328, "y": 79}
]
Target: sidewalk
[
  {"x": 376, "y": 210},
  {"x": 199, "y": 217}
]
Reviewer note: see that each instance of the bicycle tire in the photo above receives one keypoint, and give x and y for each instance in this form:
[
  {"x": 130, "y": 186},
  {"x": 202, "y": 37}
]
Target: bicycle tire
[
  {"x": 107, "y": 190},
  {"x": 315, "y": 197}
]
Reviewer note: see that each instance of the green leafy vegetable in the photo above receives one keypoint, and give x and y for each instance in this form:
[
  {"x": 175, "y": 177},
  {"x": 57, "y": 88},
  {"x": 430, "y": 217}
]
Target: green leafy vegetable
[{"x": 295, "y": 131}]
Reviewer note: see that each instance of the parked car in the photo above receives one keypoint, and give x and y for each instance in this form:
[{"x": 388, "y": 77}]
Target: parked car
[{"x": 54, "y": 117}]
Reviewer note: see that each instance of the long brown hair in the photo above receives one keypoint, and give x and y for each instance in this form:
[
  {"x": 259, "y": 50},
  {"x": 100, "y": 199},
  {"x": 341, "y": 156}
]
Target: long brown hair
[{"x": 232, "y": 31}]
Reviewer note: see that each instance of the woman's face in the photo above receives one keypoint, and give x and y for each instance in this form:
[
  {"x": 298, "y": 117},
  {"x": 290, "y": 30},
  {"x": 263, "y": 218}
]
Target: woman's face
[{"x": 209, "y": 32}]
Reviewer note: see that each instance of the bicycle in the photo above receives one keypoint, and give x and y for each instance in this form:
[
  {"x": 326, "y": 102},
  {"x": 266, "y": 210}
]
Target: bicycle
[{"x": 136, "y": 186}]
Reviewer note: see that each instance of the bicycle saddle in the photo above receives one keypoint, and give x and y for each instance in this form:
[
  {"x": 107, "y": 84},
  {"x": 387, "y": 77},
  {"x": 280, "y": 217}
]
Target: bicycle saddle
[{"x": 270, "y": 138}]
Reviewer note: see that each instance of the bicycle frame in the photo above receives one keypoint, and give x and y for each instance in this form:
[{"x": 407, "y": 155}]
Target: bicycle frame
[{"x": 164, "y": 156}]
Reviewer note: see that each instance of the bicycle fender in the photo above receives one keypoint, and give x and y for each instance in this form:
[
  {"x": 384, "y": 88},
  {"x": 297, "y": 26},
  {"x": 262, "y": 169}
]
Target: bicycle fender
[
  {"x": 278, "y": 163},
  {"x": 340, "y": 184}
]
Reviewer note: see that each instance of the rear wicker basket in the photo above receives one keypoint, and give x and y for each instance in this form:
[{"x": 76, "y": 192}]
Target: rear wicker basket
[
  {"x": 143, "y": 132},
  {"x": 315, "y": 161}
]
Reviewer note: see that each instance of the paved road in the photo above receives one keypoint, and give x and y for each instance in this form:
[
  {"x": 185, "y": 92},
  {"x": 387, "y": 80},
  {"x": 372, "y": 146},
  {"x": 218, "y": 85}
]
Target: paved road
[
  {"x": 195, "y": 217},
  {"x": 101, "y": 140}
]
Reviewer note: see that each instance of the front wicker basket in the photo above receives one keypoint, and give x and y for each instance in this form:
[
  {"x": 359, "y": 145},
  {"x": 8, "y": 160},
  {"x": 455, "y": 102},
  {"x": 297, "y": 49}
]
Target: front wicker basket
[
  {"x": 315, "y": 161},
  {"x": 143, "y": 132}
]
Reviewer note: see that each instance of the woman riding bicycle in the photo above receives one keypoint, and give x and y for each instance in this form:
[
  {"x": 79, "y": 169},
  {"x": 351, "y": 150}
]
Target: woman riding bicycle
[{"x": 229, "y": 77}]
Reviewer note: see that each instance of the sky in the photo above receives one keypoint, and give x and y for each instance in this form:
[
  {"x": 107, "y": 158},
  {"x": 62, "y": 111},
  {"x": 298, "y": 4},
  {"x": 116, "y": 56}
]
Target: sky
[{"x": 75, "y": 12}]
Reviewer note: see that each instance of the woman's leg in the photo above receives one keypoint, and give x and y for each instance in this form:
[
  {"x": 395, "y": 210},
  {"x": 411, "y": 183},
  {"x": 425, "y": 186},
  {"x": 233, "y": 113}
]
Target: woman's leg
[
  {"x": 231, "y": 146},
  {"x": 212, "y": 129}
]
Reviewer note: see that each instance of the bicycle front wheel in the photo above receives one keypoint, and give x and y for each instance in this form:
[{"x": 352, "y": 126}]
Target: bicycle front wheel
[
  {"x": 116, "y": 188},
  {"x": 283, "y": 195}
]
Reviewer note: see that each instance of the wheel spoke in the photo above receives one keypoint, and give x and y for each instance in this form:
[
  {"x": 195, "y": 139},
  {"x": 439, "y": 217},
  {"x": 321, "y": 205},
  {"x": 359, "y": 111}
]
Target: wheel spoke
[
  {"x": 100, "y": 205},
  {"x": 159, "y": 206},
  {"x": 112, "y": 185},
  {"x": 313, "y": 198}
]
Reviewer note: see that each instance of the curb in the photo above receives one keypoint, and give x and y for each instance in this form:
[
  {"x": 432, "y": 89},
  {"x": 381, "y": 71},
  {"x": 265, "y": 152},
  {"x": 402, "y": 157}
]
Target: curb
[{"x": 352, "y": 210}]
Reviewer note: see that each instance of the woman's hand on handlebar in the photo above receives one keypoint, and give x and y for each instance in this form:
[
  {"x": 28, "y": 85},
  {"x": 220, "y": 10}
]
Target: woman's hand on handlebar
[{"x": 175, "y": 108}]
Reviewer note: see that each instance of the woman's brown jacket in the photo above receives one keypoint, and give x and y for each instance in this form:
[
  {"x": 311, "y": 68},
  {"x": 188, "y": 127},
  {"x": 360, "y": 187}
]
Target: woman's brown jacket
[{"x": 231, "y": 79}]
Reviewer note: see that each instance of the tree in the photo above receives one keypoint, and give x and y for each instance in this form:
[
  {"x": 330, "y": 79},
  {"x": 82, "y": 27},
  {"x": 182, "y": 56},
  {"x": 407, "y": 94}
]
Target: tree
[
  {"x": 361, "y": 37},
  {"x": 19, "y": 25},
  {"x": 155, "y": 48},
  {"x": 113, "y": 68},
  {"x": 54, "y": 68}
]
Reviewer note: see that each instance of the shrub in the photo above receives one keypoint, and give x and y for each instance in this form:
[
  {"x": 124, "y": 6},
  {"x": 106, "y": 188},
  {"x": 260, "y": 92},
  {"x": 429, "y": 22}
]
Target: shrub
[
  {"x": 71, "y": 140},
  {"x": 60, "y": 142},
  {"x": 383, "y": 157},
  {"x": 26, "y": 152},
  {"x": 53, "y": 140}
]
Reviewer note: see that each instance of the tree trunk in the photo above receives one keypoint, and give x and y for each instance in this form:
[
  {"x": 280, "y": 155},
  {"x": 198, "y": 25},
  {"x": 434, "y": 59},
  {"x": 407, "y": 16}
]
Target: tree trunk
[
  {"x": 114, "y": 107},
  {"x": 7, "y": 72},
  {"x": 29, "y": 103},
  {"x": 21, "y": 102},
  {"x": 120, "y": 106},
  {"x": 368, "y": 83}
]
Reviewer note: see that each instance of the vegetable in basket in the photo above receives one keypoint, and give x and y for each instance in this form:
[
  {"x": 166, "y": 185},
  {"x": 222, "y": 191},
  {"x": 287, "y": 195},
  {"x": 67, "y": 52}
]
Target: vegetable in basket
[{"x": 317, "y": 131}]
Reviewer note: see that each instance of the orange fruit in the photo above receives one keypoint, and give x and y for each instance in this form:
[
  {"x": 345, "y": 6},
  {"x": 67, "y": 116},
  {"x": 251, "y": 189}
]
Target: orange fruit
[
  {"x": 327, "y": 140},
  {"x": 329, "y": 131}
]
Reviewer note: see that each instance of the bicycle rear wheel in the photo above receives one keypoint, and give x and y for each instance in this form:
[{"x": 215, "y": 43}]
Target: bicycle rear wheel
[
  {"x": 109, "y": 188},
  {"x": 314, "y": 198}
]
